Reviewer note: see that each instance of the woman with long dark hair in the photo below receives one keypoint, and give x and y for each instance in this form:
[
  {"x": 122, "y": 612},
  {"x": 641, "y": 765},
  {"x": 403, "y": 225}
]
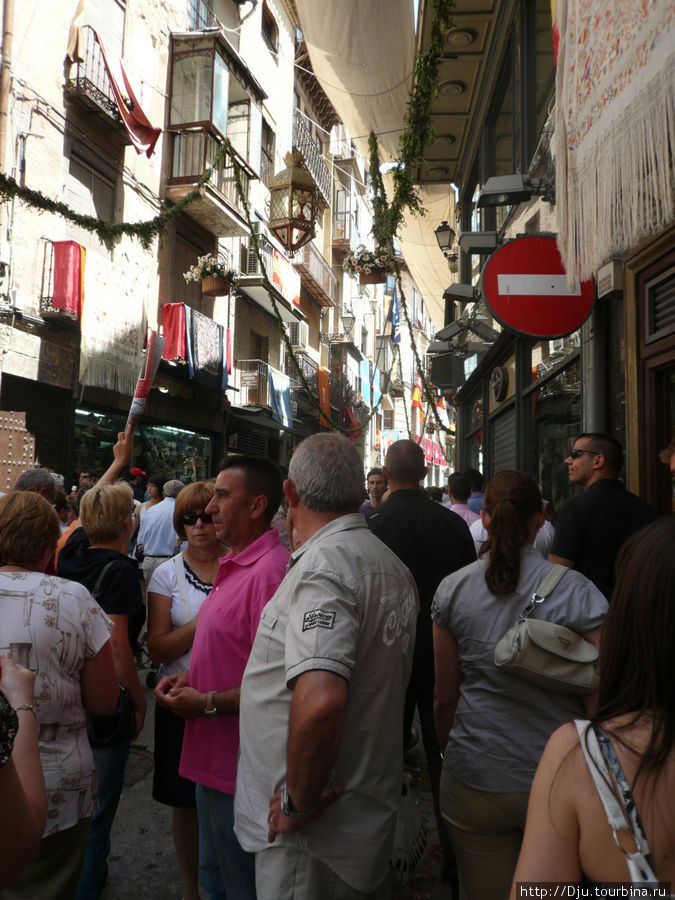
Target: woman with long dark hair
[
  {"x": 494, "y": 725},
  {"x": 568, "y": 837}
]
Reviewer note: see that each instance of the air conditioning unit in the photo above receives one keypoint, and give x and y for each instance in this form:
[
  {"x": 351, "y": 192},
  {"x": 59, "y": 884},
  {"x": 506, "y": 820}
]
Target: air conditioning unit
[
  {"x": 610, "y": 278},
  {"x": 557, "y": 345},
  {"x": 298, "y": 332}
]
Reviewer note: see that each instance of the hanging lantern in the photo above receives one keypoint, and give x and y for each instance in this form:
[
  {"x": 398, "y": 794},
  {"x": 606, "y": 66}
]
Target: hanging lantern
[{"x": 293, "y": 203}]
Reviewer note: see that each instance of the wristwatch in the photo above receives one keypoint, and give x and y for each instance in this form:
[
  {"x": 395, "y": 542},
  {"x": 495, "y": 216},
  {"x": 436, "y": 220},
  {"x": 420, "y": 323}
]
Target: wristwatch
[
  {"x": 287, "y": 806},
  {"x": 210, "y": 707}
]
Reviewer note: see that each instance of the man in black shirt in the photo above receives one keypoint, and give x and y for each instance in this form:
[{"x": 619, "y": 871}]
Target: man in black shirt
[
  {"x": 432, "y": 542},
  {"x": 592, "y": 526}
]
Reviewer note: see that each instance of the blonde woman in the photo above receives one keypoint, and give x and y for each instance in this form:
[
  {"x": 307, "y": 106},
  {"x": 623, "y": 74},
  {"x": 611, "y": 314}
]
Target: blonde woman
[
  {"x": 176, "y": 592},
  {"x": 96, "y": 556}
]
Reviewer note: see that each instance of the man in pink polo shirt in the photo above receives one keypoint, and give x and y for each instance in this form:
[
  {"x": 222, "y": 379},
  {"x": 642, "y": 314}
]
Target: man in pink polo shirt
[{"x": 247, "y": 495}]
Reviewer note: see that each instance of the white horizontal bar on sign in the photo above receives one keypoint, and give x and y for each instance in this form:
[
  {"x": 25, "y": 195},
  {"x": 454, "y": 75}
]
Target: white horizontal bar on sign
[{"x": 536, "y": 285}]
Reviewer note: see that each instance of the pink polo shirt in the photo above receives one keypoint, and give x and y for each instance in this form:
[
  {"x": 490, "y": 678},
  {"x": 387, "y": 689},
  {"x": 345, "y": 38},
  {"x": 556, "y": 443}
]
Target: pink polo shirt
[{"x": 226, "y": 627}]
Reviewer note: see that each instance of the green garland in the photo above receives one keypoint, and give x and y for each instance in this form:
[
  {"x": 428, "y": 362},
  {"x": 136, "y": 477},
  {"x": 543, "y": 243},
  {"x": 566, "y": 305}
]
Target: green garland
[{"x": 107, "y": 232}]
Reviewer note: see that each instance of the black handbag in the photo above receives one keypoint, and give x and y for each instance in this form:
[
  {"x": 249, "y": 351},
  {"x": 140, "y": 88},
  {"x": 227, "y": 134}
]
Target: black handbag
[
  {"x": 120, "y": 726},
  {"x": 117, "y": 728}
]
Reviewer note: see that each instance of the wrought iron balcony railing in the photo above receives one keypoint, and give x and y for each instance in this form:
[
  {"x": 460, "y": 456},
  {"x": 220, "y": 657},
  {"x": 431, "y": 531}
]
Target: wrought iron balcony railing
[
  {"x": 252, "y": 379},
  {"x": 89, "y": 80},
  {"x": 324, "y": 284},
  {"x": 303, "y": 140},
  {"x": 193, "y": 151}
]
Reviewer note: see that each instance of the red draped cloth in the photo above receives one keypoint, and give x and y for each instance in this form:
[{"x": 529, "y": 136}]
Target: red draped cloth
[
  {"x": 173, "y": 322},
  {"x": 68, "y": 277}
]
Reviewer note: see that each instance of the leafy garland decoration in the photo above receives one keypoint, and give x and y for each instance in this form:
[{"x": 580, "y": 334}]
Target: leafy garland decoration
[{"x": 107, "y": 232}]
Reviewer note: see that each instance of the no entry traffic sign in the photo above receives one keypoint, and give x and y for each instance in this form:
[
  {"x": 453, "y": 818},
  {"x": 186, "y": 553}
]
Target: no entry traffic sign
[{"x": 525, "y": 288}]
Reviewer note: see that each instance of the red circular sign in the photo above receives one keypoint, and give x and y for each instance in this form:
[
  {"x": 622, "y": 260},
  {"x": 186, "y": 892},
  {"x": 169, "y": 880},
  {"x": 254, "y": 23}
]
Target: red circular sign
[{"x": 525, "y": 288}]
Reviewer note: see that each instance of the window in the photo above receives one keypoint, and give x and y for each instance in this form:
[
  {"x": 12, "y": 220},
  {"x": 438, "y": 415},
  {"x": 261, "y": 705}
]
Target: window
[
  {"x": 91, "y": 193},
  {"x": 387, "y": 419},
  {"x": 106, "y": 17},
  {"x": 267, "y": 150},
  {"x": 199, "y": 89},
  {"x": 269, "y": 30},
  {"x": 186, "y": 252}
]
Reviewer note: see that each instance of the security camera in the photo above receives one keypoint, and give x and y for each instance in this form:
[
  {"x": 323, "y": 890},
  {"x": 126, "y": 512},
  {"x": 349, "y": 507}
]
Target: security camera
[
  {"x": 478, "y": 241},
  {"x": 510, "y": 190},
  {"x": 461, "y": 293}
]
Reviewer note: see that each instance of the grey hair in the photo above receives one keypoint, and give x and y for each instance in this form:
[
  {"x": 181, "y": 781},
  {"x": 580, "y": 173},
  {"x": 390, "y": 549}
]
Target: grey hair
[
  {"x": 33, "y": 480},
  {"x": 327, "y": 474},
  {"x": 173, "y": 488}
]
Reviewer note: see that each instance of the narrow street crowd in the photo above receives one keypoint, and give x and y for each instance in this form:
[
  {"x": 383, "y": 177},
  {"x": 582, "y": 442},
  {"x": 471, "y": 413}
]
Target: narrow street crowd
[{"x": 302, "y": 638}]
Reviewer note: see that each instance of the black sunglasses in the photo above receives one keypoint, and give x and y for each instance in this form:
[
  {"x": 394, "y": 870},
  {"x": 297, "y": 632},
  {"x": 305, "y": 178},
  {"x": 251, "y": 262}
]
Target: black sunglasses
[
  {"x": 575, "y": 454},
  {"x": 191, "y": 518}
]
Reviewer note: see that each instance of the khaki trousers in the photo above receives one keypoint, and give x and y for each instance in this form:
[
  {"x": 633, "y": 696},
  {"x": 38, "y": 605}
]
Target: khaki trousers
[
  {"x": 54, "y": 872},
  {"x": 486, "y": 831},
  {"x": 285, "y": 873}
]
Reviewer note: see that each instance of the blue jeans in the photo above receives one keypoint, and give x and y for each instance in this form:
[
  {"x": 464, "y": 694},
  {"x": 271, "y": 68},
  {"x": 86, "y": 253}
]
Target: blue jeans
[
  {"x": 110, "y": 764},
  {"x": 221, "y": 859}
]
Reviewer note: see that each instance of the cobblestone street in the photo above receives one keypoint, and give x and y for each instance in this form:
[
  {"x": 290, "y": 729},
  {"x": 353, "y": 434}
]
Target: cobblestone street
[{"x": 143, "y": 865}]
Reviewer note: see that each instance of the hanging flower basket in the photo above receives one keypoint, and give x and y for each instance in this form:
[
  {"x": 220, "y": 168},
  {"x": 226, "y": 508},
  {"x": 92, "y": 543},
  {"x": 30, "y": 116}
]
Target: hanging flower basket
[
  {"x": 215, "y": 285},
  {"x": 210, "y": 272},
  {"x": 372, "y": 266},
  {"x": 378, "y": 276}
]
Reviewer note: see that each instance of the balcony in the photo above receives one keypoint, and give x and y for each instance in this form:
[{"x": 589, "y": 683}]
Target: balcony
[
  {"x": 252, "y": 382},
  {"x": 220, "y": 210},
  {"x": 310, "y": 369},
  {"x": 317, "y": 276},
  {"x": 202, "y": 17},
  {"x": 56, "y": 315},
  {"x": 89, "y": 85},
  {"x": 316, "y": 166}
]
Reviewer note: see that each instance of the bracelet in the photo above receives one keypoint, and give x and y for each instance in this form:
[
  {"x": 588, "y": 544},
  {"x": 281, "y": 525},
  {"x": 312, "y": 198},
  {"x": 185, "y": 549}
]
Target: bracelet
[{"x": 27, "y": 707}]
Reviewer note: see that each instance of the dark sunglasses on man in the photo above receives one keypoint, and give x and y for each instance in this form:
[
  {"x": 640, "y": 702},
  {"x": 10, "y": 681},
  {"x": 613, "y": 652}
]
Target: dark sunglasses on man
[
  {"x": 575, "y": 454},
  {"x": 191, "y": 518}
]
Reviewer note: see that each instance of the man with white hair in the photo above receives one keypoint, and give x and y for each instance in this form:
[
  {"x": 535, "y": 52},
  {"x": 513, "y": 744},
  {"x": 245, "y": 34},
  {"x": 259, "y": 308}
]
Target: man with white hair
[
  {"x": 321, "y": 710},
  {"x": 156, "y": 533}
]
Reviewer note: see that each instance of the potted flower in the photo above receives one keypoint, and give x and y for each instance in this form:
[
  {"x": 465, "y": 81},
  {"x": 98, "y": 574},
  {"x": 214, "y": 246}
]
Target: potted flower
[
  {"x": 211, "y": 272},
  {"x": 372, "y": 266}
]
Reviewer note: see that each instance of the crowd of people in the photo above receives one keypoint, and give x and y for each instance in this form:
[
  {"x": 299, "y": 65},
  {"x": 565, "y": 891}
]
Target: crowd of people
[{"x": 303, "y": 636}]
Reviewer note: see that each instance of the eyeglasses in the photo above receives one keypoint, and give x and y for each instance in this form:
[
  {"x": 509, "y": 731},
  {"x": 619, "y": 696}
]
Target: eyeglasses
[
  {"x": 575, "y": 454},
  {"x": 191, "y": 518}
]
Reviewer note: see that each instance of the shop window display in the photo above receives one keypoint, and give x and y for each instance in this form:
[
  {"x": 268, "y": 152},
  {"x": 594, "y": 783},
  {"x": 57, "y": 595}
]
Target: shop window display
[
  {"x": 158, "y": 449},
  {"x": 556, "y": 413}
]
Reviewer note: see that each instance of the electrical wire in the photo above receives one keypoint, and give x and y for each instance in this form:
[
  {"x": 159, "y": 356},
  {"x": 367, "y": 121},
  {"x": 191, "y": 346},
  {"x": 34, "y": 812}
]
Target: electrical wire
[{"x": 353, "y": 93}]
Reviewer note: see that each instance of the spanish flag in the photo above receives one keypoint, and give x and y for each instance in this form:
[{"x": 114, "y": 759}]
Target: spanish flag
[{"x": 417, "y": 402}]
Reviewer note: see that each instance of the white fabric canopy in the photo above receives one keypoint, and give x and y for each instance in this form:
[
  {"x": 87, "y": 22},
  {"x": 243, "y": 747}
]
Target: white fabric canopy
[{"x": 363, "y": 54}]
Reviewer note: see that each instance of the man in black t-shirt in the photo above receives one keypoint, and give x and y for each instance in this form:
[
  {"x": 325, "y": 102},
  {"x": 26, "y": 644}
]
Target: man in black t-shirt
[
  {"x": 592, "y": 526},
  {"x": 432, "y": 542}
]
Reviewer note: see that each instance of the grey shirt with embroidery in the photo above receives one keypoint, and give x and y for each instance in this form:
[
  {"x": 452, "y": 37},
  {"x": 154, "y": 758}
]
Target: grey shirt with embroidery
[{"x": 347, "y": 605}]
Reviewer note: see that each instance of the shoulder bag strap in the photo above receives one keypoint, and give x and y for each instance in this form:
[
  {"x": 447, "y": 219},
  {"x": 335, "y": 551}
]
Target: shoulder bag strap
[
  {"x": 639, "y": 868},
  {"x": 96, "y": 590},
  {"x": 182, "y": 587},
  {"x": 546, "y": 587}
]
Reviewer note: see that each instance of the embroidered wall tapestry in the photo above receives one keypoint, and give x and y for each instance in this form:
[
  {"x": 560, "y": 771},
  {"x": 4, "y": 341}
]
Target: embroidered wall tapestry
[{"x": 615, "y": 126}]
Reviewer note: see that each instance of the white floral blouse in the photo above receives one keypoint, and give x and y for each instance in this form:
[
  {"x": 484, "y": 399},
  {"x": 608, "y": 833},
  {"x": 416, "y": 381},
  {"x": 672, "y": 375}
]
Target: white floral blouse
[{"x": 52, "y": 626}]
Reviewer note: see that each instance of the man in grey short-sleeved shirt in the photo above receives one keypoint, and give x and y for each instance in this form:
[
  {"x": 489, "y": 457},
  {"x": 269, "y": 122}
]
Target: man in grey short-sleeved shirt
[{"x": 321, "y": 711}]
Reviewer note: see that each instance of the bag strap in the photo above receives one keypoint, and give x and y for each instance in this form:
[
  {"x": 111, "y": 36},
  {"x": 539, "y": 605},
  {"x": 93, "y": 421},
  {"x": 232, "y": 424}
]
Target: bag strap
[
  {"x": 546, "y": 586},
  {"x": 182, "y": 587},
  {"x": 602, "y": 769},
  {"x": 96, "y": 590}
]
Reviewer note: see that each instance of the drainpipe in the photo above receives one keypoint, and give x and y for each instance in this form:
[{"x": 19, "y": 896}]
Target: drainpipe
[{"x": 5, "y": 73}]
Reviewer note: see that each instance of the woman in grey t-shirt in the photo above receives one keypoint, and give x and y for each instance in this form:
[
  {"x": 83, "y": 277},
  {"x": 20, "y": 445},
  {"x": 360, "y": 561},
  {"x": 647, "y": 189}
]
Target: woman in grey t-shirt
[{"x": 494, "y": 725}]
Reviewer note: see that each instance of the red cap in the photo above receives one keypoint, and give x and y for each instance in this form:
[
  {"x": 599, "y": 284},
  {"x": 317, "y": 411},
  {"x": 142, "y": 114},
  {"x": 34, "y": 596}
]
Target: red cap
[{"x": 136, "y": 471}]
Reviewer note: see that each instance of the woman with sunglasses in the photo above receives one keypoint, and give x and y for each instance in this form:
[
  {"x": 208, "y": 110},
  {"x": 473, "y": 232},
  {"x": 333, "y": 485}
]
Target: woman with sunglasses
[{"x": 176, "y": 592}]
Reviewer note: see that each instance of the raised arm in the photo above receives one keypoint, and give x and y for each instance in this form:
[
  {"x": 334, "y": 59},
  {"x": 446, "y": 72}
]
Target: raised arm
[{"x": 121, "y": 456}]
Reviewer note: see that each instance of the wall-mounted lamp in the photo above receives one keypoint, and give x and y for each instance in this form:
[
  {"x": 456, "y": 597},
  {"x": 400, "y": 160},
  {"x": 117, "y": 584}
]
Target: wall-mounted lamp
[
  {"x": 348, "y": 319},
  {"x": 509, "y": 190},
  {"x": 445, "y": 237}
]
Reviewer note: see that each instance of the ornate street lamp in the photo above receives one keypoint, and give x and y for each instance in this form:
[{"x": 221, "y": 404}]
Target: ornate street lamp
[
  {"x": 445, "y": 237},
  {"x": 293, "y": 203}
]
